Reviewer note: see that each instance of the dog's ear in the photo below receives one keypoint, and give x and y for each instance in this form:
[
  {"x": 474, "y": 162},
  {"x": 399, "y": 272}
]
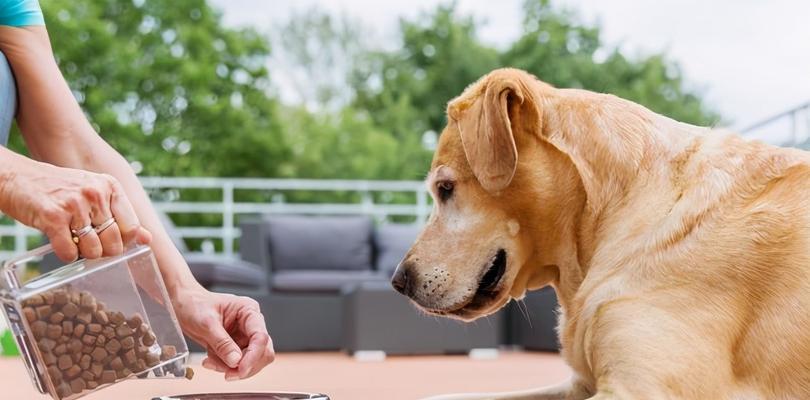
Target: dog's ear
[{"x": 486, "y": 130}]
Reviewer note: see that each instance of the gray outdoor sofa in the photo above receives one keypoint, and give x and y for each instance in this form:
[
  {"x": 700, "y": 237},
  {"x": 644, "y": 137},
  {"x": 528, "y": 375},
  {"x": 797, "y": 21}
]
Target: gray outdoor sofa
[{"x": 329, "y": 288}]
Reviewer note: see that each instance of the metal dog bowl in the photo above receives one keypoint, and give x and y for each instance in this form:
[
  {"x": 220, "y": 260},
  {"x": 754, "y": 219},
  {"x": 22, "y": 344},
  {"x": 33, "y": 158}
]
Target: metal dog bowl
[{"x": 247, "y": 396}]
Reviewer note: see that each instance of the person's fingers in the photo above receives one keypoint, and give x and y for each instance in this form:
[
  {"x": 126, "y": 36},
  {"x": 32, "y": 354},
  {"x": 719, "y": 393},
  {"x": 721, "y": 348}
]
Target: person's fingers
[
  {"x": 222, "y": 344},
  {"x": 62, "y": 243},
  {"x": 128, "y": 223},
  {"x": 259, "y": 351},
  {"x": 88, "y": 242},
  {"x": 213, "y": 362},
  {"x": 100, "y": 215}
]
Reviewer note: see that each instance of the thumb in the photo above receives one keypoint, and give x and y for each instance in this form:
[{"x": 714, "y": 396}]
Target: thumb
[{"x": 223, "y": 346}]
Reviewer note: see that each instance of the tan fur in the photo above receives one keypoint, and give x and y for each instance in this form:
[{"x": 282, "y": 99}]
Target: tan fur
[{"x": 680, "y": 255}]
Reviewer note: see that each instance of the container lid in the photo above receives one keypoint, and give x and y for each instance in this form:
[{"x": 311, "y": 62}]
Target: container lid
[
  {"x": 72, "y": 271},
  {"x": 247, "y": 396}
]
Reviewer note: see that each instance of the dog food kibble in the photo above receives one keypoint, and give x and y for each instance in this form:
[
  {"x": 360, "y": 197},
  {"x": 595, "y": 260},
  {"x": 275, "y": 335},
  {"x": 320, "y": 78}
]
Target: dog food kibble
[{"x": 85, "y": 345}]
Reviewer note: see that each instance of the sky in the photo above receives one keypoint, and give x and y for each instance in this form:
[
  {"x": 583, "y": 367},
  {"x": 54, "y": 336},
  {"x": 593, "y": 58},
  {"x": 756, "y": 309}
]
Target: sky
[{"x": 749, "y": 58}]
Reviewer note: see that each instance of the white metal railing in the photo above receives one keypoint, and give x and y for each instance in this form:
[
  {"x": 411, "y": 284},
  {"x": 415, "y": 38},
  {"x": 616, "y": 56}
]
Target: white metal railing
[
  {"x": 789, "y": 128},
  {"x": 168, "y": 197}
]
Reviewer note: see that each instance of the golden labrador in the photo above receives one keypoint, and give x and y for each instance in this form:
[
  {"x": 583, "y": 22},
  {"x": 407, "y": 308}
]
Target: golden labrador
[{"x": 680, "y": 254}]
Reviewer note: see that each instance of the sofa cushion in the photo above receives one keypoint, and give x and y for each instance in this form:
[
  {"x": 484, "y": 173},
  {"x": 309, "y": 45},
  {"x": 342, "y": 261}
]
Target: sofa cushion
[
  {"x": 319, "y": 243},
  {"x": 323, "y": 280},
  {"x": 212, "y": 270},
  {"x": 392, "y": 242}
]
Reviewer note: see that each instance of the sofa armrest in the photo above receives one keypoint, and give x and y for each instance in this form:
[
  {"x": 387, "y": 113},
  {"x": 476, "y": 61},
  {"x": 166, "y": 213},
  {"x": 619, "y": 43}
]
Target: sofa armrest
[{"x": 254, "y": 244}]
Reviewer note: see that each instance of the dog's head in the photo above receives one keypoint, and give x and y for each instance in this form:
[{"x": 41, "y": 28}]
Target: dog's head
[{"x": 489, "y": 174}]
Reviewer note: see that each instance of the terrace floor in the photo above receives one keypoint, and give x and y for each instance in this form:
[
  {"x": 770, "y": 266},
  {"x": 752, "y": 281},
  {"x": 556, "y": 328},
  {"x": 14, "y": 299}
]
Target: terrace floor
[{"x": 338, "y": 375}]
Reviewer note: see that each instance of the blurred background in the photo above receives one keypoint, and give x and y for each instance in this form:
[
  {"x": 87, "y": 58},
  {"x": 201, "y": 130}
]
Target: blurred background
[{"x": 235, "y": 112}]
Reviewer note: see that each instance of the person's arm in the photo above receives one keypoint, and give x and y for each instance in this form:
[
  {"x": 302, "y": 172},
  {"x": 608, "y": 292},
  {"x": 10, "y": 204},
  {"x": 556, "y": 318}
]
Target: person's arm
[{"x": 56, "y": 132}]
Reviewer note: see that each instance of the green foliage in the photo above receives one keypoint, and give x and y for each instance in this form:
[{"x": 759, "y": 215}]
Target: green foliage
[
  {"x": 177, "y": 92},
  {"x": 440, "y": 54},
  {"x": 168, "y": 86}
]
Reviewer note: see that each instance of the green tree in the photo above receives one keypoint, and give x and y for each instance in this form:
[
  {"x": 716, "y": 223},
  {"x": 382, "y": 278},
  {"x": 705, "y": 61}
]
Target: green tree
[{"x": 169, "y": 87}]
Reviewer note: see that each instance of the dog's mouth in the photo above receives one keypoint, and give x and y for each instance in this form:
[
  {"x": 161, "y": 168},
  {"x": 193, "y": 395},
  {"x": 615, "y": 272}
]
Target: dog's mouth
[{"x": 489, "y": 290}]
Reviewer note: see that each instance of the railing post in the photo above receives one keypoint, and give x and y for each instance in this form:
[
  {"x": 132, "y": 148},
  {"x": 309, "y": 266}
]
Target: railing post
[
  {"x": 227, "y": 219},
  {"x": 421, "y": 205},
  {"x": 20, "y": 239}
]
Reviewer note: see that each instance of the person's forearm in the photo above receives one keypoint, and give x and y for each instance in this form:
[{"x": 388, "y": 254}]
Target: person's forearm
[
  {"x": 56, "y": 131},
  {"x": 176, "y": 273}
]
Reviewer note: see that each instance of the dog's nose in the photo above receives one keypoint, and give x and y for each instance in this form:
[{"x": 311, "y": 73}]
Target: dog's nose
[{"x": 401, "y": 281}]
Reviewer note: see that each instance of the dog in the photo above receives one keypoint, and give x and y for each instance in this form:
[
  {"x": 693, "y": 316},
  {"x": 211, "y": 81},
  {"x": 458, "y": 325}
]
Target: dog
[{"x": 680, "y": 255}]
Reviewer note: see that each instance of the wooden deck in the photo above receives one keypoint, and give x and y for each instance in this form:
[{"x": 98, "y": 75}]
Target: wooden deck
[{"x": 335, "y": 374}]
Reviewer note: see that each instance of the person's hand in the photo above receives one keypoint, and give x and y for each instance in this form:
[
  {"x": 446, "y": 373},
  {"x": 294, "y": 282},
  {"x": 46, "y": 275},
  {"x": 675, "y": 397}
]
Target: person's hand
[
  {"x": 230, "y": 327},
  {"x": 63, "y": 201}
]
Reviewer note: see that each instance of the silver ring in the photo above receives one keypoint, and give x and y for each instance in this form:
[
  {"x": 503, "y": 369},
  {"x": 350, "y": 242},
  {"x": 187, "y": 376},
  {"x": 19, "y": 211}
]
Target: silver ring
[
  {"x": 104, "y": 225},
  {"x": 78, "y": 233}
]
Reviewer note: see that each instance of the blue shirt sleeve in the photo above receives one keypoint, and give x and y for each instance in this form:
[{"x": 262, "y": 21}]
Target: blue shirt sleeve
[{"x": 20, "y": 13}]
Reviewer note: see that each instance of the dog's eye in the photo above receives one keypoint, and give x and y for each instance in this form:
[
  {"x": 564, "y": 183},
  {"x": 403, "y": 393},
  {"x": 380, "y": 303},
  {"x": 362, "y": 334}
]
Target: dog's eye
[{"x": 445, "y": 190}]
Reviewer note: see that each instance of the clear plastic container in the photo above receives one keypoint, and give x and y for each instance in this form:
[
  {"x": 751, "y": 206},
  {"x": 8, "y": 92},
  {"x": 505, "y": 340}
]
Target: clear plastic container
[{"x": 93, "y": 323}]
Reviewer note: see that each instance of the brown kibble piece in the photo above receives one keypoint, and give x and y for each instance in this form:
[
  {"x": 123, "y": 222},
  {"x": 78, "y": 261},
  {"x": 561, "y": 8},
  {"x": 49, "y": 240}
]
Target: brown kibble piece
[
  {"x": 48, "y": 358},
  {"x": 116, "y": 364},
  {"x": 63, "y": 390},
  {"x": 92, "y": 385},
  {"x": 74, "y": 345},
  {"x": 64, "y": 362},
  {"x": 101, "y": 317},
  {"x": 168, "y": 352},
  {"x": 78, "y": 331},
  {"x": 123, "y": 331},
  {"x": 87, "y": 375},
  {"x": 73, "y": 371},
  {"x": 70, "y": 310},
  {"x": 60, "y": 349},
  {"x": 38, "y": 328},
  {"x": 189, "y": 373},
  {"x": 89, "y": 340},
  {"x": 43, "y": 312},
  {"x": 143, "y": 329},
  {"x": 85, "y": 361},
  {"x": 101, "y": 340},
  {"x": 56, "y": 318},
  {"x": 88, "y": 302},
  {"x": 35, "y": 300},
  {"x": 94, "y": 328},
  {"x": 67, "y": 327},
  {"x": 46, "y": 344},
  {"x": 84, "y": 317},
  {"x": 130, "y": 358},
  {"x": 55, "y": 374},
  {"x": 88, "y": 349},
  {"x": 113, "y": 345},
  {"x": 60, "y": 298},
  {"x": 152, "y": 359},
  {"x": 77, "y": 385},
  {"x": 97, "y": 369},
  {"x": 99, "y": 354},
  {"x": 116, "y": 318},
  {"x": 48, "y": 297},
  {"x": 148, "y": 339},
  {"x": 108, "y": 376},
  {"x": 30, "y": 314},
  {"x": 54, "y": 332},
  {"x": 100, "y": 306},
  {"x": 142, "y": 351},
  {"x": 140, "y": 364},
  {"x": 121, "y": 374},
  {"x": 127, "y": 343},
  {"x": 135, "y": 321},
  {"x": 108, "y": 332}
]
